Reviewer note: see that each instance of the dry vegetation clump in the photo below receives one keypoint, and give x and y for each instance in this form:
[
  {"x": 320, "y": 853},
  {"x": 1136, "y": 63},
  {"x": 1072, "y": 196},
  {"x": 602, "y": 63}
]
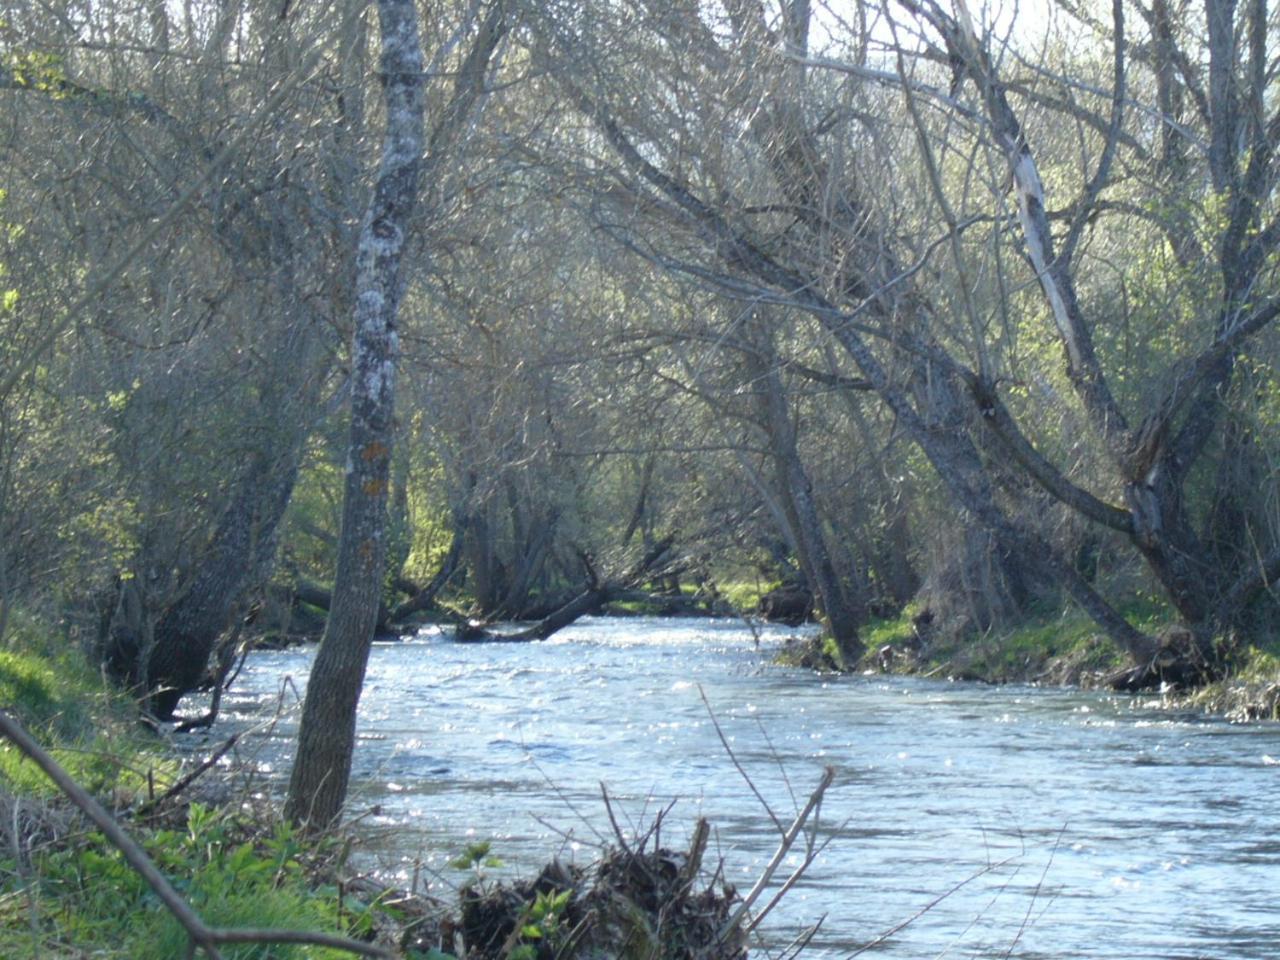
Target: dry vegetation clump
[{"x": 640, "y": 902}]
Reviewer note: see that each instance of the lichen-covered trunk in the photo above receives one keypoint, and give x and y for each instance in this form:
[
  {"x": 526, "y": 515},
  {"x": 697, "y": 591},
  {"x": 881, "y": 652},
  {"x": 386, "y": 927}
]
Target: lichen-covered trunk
[{"x": 322, "y": 767}]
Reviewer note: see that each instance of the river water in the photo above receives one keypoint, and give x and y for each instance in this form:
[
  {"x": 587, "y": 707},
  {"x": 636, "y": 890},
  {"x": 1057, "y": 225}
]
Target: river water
[{"x": 1073, "y": 824}]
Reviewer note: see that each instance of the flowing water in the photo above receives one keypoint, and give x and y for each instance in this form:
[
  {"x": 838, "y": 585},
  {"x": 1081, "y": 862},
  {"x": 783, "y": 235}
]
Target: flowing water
[{"x": 1038, "y": 823}]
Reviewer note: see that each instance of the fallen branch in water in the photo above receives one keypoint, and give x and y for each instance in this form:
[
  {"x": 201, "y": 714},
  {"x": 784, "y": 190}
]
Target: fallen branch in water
[
  {"x": 199, "y": 934},
  {"x": 784, "y": 847}
]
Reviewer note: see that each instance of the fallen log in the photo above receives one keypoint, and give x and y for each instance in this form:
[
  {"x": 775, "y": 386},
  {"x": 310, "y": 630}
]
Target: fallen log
[{"x": 590, "y": 600}]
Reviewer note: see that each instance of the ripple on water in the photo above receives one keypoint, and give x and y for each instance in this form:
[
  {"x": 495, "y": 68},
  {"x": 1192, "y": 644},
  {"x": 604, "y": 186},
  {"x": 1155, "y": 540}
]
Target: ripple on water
[{"x": 1044, "y": 823}]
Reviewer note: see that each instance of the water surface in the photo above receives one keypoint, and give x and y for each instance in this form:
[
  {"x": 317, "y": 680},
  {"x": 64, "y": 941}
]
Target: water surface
[{"x": 1074, "y": 825}]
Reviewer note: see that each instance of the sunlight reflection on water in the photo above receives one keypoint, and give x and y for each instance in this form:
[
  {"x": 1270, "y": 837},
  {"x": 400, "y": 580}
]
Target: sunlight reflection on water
[{"x": 1086, "y": 825}]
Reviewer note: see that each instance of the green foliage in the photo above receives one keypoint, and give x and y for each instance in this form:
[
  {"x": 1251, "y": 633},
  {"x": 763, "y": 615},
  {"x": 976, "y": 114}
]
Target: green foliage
[
  {"x": 744, "y": 595},
  {"x": 881, "y": 631},
  {"x": 35, "y": 70},
  {"x": 88, "y": 727},
  {"x": 542, "y": 923},
  {"x": 476, "y": 857},
  {"x": 94, "y": 900},
  {"x": 431, "y": 523},
  {"x": 81, "y": 896}
]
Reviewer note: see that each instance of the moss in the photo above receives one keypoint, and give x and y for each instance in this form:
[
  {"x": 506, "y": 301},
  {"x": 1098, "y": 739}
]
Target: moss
[
  {"x": 1050, "y": 645},
  {"x": 889, "y": 631},
  {"x": 1061, "y": 649},
  {"x": 744, "y": 595}
]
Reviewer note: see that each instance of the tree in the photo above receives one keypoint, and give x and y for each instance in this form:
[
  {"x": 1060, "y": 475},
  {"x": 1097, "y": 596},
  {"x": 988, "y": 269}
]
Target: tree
[
  {"x": 200, "y": 352},
  {"x": 326, "y": 737},
  {"x": 782, "y": 211}
]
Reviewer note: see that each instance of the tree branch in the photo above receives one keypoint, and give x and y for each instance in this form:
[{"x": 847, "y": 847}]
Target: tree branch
[{"x": 201, "y": 935}]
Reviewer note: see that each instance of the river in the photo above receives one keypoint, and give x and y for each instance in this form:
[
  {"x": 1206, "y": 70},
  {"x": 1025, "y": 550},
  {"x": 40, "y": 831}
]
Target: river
[{"x": 1074, "y": 824}]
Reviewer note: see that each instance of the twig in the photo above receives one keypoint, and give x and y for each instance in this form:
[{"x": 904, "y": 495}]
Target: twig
[
  {"x": 724, "y": 742},
  {"x": 217, "y": 755},
  {"x": 798, "y": 945},
  {"x": 617, "y": 830},
  {"x": 788, "y": 838},
  {"x": 1026, "y": 919},
  {"x": 95, "y": 288},
  {"x": 697, "y": 849},
  {"x": 559, "y": 792},
  {"x": 884, "y": 937},
  {"x": 200, "y": 935},
  {"x": 191, "y": 776}
]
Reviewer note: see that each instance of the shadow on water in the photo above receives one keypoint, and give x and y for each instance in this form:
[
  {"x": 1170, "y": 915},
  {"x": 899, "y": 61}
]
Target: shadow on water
[{"x": 1073, "y": 825}]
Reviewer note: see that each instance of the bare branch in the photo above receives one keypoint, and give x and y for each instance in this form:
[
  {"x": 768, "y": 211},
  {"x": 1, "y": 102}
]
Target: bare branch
[
  {"x": 99, "y": 285},
  {"x": 784, "y": 847},
  {"x": 207, "y": 938},
  {"x": 1096, "y": 184}
]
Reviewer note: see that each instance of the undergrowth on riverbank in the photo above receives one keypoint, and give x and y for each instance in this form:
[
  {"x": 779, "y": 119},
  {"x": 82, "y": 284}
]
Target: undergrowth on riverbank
[
  {"x": 88, "y": 726},
  {"x": 1052, "y": 646},
  {"x": 66, "y": 892},
  {"x": 1060, "y": 647}
]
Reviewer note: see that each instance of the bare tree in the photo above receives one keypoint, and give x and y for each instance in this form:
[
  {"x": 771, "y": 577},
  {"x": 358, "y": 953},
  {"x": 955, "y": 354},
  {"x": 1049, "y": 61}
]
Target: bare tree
[{"x": 807, "y": 229}]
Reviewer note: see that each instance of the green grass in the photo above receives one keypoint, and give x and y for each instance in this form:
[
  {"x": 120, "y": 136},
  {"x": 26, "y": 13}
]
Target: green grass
[
  {"x": 89, "y": 902},
  {"x": 1044, "y": 638},
  {"x": 879, "y": 632},
  {"x": 744, "y": 595},
  {"x": 87, "y": 726},
  {"x": 72, "y": 894}
]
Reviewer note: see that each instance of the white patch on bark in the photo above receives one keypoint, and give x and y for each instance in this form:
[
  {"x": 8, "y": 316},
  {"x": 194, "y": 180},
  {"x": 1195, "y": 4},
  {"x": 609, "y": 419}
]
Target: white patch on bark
[
  {"x": 380, "y": 377},
  {"x": 1031, "y": 193}
]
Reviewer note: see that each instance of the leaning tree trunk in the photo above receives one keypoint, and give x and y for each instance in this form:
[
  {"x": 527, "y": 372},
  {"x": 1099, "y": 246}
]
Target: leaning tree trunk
[
  {"x": 322, "y": 767},
  {"x": 238, "y": 557},
  {"x": 841, "y": 611}
]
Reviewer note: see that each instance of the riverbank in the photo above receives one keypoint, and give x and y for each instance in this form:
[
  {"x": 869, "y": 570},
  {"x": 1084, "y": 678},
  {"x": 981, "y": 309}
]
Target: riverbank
[
  {"x": 1062, "y": 649},
  {"x": 69, "y": 888},
  {"x": 65, "y": 889}
]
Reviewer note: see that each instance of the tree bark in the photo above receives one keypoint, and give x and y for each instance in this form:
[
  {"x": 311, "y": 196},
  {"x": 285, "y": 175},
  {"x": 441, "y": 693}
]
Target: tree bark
[
  {"x": 841, "y": 612},
  {"x": 239, "y": 556},
  {"x": 326, "y": 737}
]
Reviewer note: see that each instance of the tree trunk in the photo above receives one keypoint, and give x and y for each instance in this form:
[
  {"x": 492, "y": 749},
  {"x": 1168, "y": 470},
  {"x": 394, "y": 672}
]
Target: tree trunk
[
  {"x": 322, "y": 767},
  {"x": 238, "y": 557},
  {"x": 841, "y": 613}
]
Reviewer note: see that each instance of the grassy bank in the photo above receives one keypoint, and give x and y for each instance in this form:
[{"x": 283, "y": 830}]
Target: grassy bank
[
  {"x": 66, "y": 892},
  {"x": 1062, "y": 647}
]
